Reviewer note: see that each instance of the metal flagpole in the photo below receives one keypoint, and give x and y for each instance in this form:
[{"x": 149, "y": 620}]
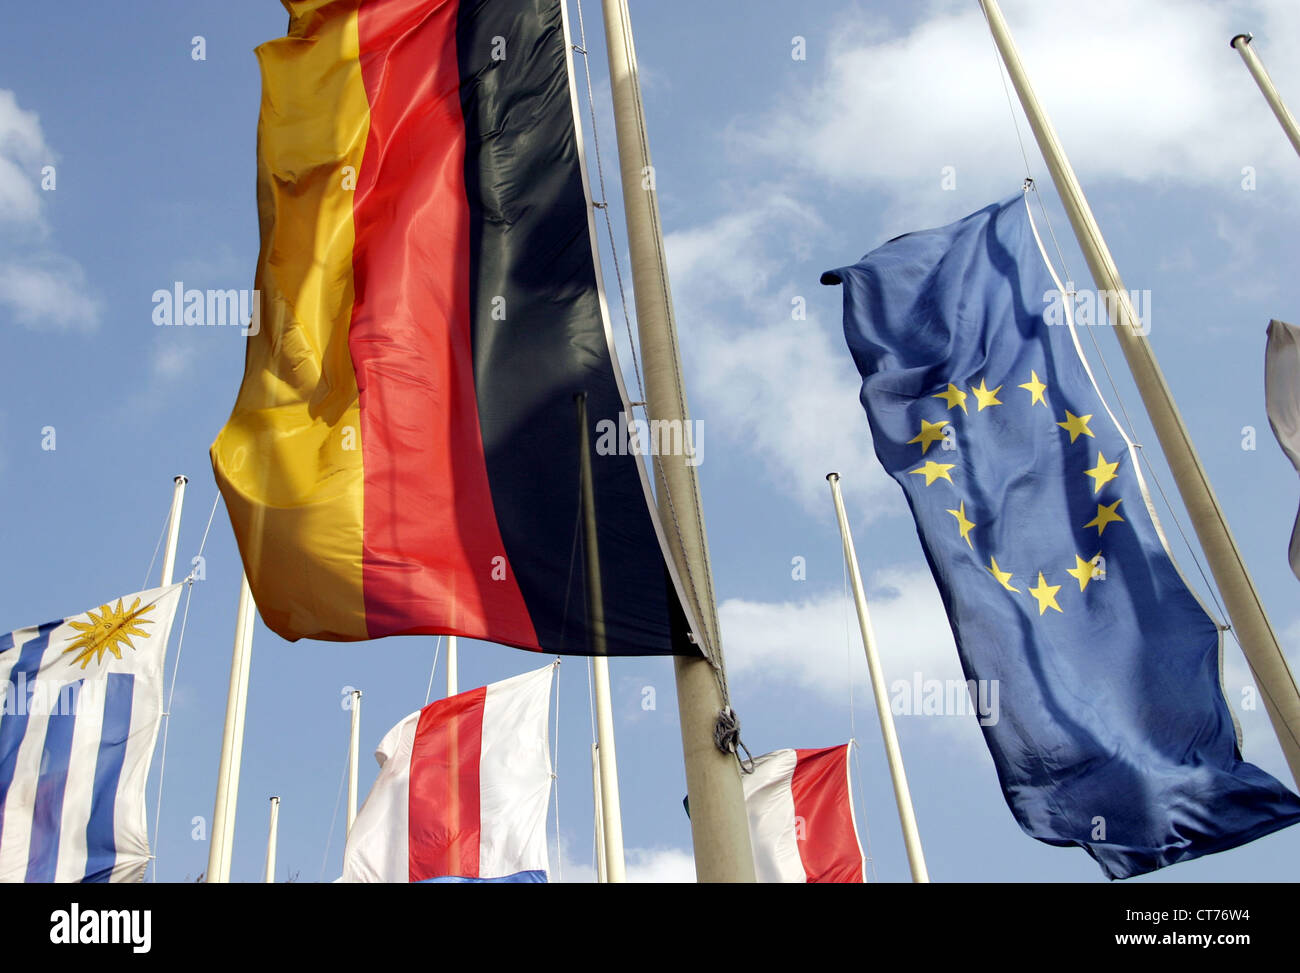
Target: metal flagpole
[
  {"x": 173, "y": 529},
  {"x": 902, "y": 795},
  {"x": 1245, "y": 610},
  {"x": 354, "y": 755},
  {"x": 271, "y": 840},
  {"x": 601, "y": 874},
  {"x": 719, "y": 825},
  {"x": 232, "y": 740},
  {"x": 1242, "y": 44},
  {"x": 452, "y": 674},
  {"x": 610, "y": 811}
]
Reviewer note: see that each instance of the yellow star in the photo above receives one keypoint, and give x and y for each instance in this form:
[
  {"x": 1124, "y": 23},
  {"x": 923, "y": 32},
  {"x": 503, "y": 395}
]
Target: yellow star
[
  {"x": 1045, "y": 594},
  {"x": 1035, "y": 389},
  {"x": 963, "y": 524},
  {"x": 931, "y": 432},
  {"x": 985, "y": 397},
  {"x": 1076, "y": 426},
  {"x": 1105, "y": 515},
  {"x": 935, "y": 471},
  {"x": 954, "y": 396},
  {"x": 1004, "y": 577},
  {"x": 1103, "y": 472},
  {"x": 1083, "y": 570}
]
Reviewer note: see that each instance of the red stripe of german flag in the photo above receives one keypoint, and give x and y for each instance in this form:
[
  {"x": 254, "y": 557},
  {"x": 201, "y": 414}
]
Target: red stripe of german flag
[{"x": 402, "y": 457}]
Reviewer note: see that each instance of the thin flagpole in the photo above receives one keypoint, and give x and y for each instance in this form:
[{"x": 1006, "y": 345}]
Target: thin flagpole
[
  {"x": 173, "y": 529},
  {"x": 902, "y": 794},
  {"x": 354, "y": 757},
  {"x": 1245, "y": 609},
  {"x": 611, "y": 813},
  {"x": 1242, "y": 45},
  {"x": 271, "y": 840},
  {"x": 232, "y": 740}
]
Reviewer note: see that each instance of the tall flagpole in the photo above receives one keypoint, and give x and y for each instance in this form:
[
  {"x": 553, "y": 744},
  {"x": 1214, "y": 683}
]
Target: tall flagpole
[
  {"x": 232, "y": 740},
  {"x": 1245, "y": 610},
  {"x": 452, "y": 668},
  {"x": 173, "y": 529},
  {"x": 610, "y": 811},
  {"x": 902, "y": 795},
  {"x": 719, "y": 825},
  {"x": 271, "y": 840},
  {"x": 1242, "y": 44},
  {"x": 354, "y": 757}
]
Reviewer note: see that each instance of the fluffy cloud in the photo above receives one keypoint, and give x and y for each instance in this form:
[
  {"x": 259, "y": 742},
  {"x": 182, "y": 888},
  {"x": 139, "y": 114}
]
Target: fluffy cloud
[
  {"x": 651, "y": 865},
  {"x": 40, "y": 288},
  {"x": 783, "y": 389},
  {"x": 815, "y": 644},
  {"x": 49, "y": 291},
  {"x": 1157, "y": 96}
]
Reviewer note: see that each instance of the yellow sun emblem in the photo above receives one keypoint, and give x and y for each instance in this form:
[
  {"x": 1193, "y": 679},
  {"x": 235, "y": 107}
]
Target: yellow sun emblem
[{"x": 104, "y": 631}]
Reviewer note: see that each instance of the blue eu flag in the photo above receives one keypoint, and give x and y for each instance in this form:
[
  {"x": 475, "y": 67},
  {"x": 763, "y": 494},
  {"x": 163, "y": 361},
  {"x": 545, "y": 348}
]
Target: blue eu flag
[{"x": 1113, "y": 734}]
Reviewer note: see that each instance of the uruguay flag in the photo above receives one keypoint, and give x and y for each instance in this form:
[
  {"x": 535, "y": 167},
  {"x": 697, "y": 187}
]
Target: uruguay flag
[
  {"x": 82, "y": 699},
  {"x": 462, "y": 791},
  {"x": 800, "y": 813},
  {"x": 1114, "y": 734}
]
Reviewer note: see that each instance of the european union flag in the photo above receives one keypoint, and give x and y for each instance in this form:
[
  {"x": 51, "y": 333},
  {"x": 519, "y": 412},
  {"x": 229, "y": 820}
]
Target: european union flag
[{"x": 1114, "y": 734}]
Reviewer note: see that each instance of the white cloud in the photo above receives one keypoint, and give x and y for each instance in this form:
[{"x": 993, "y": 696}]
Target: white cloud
[
  {"x": 650, "y": 865},
  {"x": 22, "y": 151},
  {"x": 816, "y": 644},
  {"x": 40, "y": 288},
  {"x": 783, "y": 389},
  {"x": 660, "y": 865},
  {"x": 172, "y": 361},
  {"x": 48, "y": 293},
  {"x": 1153, "y": 94}
]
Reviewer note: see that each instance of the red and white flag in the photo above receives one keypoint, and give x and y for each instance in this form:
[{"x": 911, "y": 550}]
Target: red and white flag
[
  {"x": 801, "y": 817},
  {"x": 462, "y": 791}
]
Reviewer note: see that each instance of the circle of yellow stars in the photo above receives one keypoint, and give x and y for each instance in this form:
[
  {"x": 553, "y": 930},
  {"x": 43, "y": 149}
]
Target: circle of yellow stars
[{"x": 1085, "y": 570}]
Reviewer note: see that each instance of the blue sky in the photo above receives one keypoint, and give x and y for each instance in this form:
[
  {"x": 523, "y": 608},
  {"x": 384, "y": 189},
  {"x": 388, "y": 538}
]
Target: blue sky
[{"x": 770, "y": 170}]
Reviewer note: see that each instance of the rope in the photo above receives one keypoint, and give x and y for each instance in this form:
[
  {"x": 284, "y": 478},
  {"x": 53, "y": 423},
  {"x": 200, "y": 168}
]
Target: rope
[
  {"x": 157, "y": 547},
  {"x": 604, "y": 202},
  {"x": 724, "y": 729},
  {"x": 437, "y": 648},
  {"x": 726, "y": 737},
  {"x": 334, "y": 818},
  {"x": 853, "y": 718},
  {"x": 848, "y": 652},
  {"x": 167, "y": 720},
  {"x": 866, "y": 822},
  {"x": 171, "y": 692}
]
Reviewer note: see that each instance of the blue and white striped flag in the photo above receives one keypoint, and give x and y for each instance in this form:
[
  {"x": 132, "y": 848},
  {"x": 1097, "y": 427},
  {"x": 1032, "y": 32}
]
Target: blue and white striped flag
[{"x": 80, "y": 703}]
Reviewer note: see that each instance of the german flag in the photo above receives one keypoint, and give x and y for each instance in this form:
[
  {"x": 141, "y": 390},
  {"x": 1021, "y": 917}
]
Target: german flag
[{"x": 403, "y": 454}]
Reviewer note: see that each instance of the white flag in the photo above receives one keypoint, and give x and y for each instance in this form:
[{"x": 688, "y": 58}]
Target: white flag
[
  {"x": 462, "y": 791},
  {"x": 80, "y": 703},
  {"x": 1282, "y": 395}
]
